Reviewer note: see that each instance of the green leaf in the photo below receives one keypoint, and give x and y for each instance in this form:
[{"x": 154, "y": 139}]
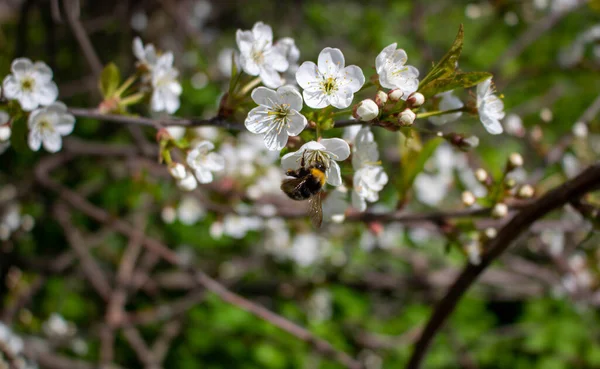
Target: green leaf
[
  {"x": 110, "y": 78},
  {"x": 18, "y": 138},
  {"x": 414, "y": 156},
  {"x": 447, "y": 65},
  {"x": 459, "y": 79}
]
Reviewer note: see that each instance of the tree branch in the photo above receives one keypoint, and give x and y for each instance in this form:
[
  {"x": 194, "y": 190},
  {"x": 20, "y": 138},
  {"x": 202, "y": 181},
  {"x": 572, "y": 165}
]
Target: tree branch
[{"x": 586, "y": 182}]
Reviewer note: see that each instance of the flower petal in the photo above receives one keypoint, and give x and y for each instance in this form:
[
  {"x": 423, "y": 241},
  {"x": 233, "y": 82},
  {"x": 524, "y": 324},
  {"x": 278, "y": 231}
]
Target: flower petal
[
  {"x": 491, "y": 125},
  {"x": 28, "y": 101},
  {"x": 383, "y": 56},
  {"x": 331, "y": 60},
  {"x": 276, "y": 140},
  {"x": 52, "y": 142},
  {"x": 334, "y": 175},
  {"x": 214, "y": 162},
  {"x": 47, "y": 94},
  {"x": 353, "y": 78},
  {"x": 342, "y": 98},
  {"x": 270, "y": 77},
  {"x": 337, "y": 147},
  {"x": 263, "y": 33},
  {"x": 290, "y": 95},
  {"x": 264, "y": 96},
  {"x": 244, "y": 40},
  {"x": 315, "y": 99},
  {"x": 297, "y": 123},
  {"x": 358, "y": 202},
  {"x": 20, "y": 66},
  {"x": 307, "y": 76},
  {"x": 34, "y": 140},
  {"x": 258, "y": 121},
  {"x": 292, "y": 160},
  {"x": 42, "y": 72},
  {"x": 138, "y": 48},
  {"x": 11, "y": 88},
  {"x": 203, "y": 175},
  {"x": 276, "y": 60}
]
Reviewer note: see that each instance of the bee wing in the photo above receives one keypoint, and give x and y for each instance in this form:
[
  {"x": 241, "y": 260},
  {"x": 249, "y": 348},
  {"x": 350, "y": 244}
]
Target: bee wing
[
  {"x": 315, "y": 210},
  {"x": 290, "y": 185}
]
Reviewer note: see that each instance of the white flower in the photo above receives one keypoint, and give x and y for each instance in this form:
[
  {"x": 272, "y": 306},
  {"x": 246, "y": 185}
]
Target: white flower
[
  {"x": 236, "y": 226},
  {"x": 5, "y": 131},
  {"x": 305, "y": 249},
  {"x": 190, "y": 210},
  {"x": 203, "y": 162},
  {"x": 177, "y": 132},
  {"x": 490, "y": 107},
  {"x": 448, "y": 102},
  {"x": 266, "y": 184},
  {"x": 335, "y": 205},
  {"x": 514, "y": 125},
  {"x": 225, "y": 61},
  {"x": 277, "y": 237},
  {"x": 30, "y": 83},
  {"x": 277, "y": 115},
  {"x": 258, "y": 57},
  {"x": 328, "y": 151},
  {"x": 393, "y": 73},
  {"x": 319, "y": 305},
  {"x": 431, "y": 189},
  {"x": 165, "y": 89},
  {"x": 47, "y": 125},
  {"x": 57, "y": 327},
  {"x": 178, "y": 171},
  {"x": 287, "y": 47},
  {"x": 188, "y": 183},
  {"x": 146, "y": 55},
  {"x": 368, "y": 181},
  {"x": 365, "y": 149},
  {"x": 329, "y": 83}
]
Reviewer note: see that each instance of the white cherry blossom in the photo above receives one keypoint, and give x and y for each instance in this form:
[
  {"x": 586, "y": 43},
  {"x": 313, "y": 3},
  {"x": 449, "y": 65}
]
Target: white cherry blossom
[
  {"x": 47, "y": 126},
  {"x": 327, "y": 150},
  {"x": 30, "y": 83},
  {"x": 204, "y": 162},
  {"x": 329, "y": 82},
  {"x": 146, "y": 55},
  {"x": 166, "y": 89},
  {"x": 393, "y": 73},
  {"x": 490, "y": 107},
  {"x": 368, "y": 182},
  {"x": 277, "y": 115},
  {"x": 5, "y": 131},
  {"x": 287, "y": 47},
  {"x": 258, "y": 57},
  {"x": 190, "y": 210},
  {"x": 335, "y": 205},
  {"x": 448, "y": 102}
]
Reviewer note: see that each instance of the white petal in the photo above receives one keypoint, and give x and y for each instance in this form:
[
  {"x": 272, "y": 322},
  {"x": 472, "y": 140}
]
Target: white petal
[
  {"x": 258, "y": 120},
  {"x": 353, "y": 78},
  {"x": 66, "y": 125},
  {"x": 313, "y": 145},
  {"x": 28, "y": 101},
  {"x": 291, "y": 160},
  {"x": 171, "y": 103},
  {"x": 287, "y": 47},
  {"x": 249, "y": 65},
  {"x": 276, "y": 60},
  {"x": 358, "y": 202},
  {"x": 331, "y": 60},
  {"x": 276, "y": 141},
  {"x": 34, "y": 140},
  {"x": 334, "y": 176},
  {"x": 381, "y": 59},
  {"x": 244, "y": 40},
  {"x": 307, "y": 77},
  {"x": 11, "y": 87},
  {"x": 42, "y": 73},
  {"x": 204, "y": 146},
  {"x": 264, "y": 96},
  {"x": 47, "y": 94},
  {"x": 337, "y": 147},
  {"x": 263, "y": 33},
  {"x": 297, "y": 123},
  {"x": 270, "y": 77},
  {"x": 214, "y": 162},
  {"x": 4, "y": 117},
  {"x": 138, "y": 48},
  {"x": 315, "y": 99},
  {"x": 342, "y": 98},
  {"x": 203, "y": 175},
  {"x": 52, "y": 142},
  {"x": 20, "y": 66},
  {"x": 493, "y": 126},
  {"x": 290, "y": 95},
  {"x": 484, "y": 87}
]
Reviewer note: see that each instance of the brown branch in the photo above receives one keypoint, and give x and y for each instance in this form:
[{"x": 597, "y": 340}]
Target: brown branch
[
  {"x": 71, "y": 7},
  {"x": 587, "y": 181}
]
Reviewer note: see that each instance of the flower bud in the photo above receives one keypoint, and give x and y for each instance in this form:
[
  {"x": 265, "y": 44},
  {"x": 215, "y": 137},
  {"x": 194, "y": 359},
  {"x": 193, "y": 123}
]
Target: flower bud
[
  {"x": 395, "y": 94},
  {"x": 189, "y": 183},
  {"x": 168, "y": 214},
  {"x": 406, "y": 117},
  {"x": 468, "y": 198},
  {"x": 178, "y": 171},
  {"x": 490, "y": 233},
  {"x": 526, "y": 192},
  {"x": 415, "y": 100},
  {"x": 580, "y": 130},
  {"x": 4, "y": 133},
  {"x": 515, "y": 160},
  {"x": 510, "y": 183},
  {"x": 381, "y": 98},
  {"x": 481, "y": 175},
  {"x": 473, "y": 251},
  {"x": 500, "y": 210},
  {"x": 366, "y": 110}
]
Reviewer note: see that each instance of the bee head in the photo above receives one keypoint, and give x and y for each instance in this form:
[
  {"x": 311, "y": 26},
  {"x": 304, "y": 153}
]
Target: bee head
[{"x": 320, "y": 166}]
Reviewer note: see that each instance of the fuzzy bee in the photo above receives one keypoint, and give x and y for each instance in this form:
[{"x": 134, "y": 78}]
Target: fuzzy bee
[{"x": 307, "y": 184}]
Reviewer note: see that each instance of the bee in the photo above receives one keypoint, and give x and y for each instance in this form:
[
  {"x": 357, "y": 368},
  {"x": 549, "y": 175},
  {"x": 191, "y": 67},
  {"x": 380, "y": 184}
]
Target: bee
[{"x": 307, "y": 184}]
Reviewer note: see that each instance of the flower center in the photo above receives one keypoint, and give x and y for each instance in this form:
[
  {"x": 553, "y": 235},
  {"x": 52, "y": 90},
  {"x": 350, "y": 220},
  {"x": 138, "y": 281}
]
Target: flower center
[
  {"x": 27, "y": 84},
  {"x": 280, "y": 114},
  {"x": 329, "y": 85},
  {"x": 46, "y": 126},
  {"x": 258, "y": 56}
]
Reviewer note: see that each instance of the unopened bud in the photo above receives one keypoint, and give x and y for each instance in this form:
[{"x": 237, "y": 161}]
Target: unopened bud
[
  {"x": 168, "y": 214},
  {"x": 526, "y": 192},
  {"x": 4, "y": 133},
  {"x": 406, "y": 117},
  {"x": 481, "y": 175},
  {"x": 178, "y": 171},
  {"x": 395, "y": 94},
  {"x": 490, "y": 233},
  {"x": 415, "y": 100},
  {"x": 468, "y": 198},
  {"x": 510, "y": 183},
  {"x": 366, "y": 110},
  {"x": 515, "y": 160},
  {"x": 381, "y": 98},
  {"x": 188, "y": 183},
  {"x": 500, "y": 210},
  {"x": 580, "y": 130},
  {"x": 461, "y": 142}
]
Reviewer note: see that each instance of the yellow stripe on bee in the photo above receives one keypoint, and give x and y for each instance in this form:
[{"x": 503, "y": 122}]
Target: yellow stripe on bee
[{"x": 318, "y": 174}]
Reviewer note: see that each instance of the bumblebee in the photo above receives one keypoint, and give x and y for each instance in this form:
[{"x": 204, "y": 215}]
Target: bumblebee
[{"x": 307, "y": 184}]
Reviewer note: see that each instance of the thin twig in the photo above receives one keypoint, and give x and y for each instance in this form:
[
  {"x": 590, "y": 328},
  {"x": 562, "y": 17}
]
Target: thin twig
[
  {"x": 70, "y": 7},
  {"x": 587, "y": 181}
]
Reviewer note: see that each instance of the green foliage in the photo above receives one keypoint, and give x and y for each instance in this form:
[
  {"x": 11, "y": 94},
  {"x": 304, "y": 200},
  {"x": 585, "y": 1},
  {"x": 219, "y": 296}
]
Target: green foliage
[{"x": 110, "y": 79}]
